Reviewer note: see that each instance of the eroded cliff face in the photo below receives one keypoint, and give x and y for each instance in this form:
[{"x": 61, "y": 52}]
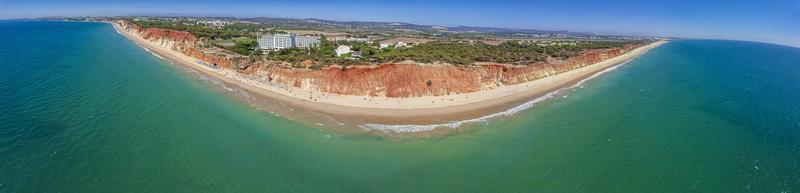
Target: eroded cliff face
[
  {"x": 389, "y": 80},
  {"x": 409, "y": 80},
  {"x": 185, "y": 43},
  {"x": 171, "y": 39},
  {"x": 214, "y": 57}
]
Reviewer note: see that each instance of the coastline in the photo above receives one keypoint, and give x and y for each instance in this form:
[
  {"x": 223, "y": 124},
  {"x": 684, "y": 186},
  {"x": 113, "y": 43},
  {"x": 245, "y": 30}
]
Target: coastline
[{"x": 398, "y": 114}]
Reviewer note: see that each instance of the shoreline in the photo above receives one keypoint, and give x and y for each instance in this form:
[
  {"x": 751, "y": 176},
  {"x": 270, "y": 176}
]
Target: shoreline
[
  {"x": 412, "y": 128},
  {"x": 381, "y": 113}
]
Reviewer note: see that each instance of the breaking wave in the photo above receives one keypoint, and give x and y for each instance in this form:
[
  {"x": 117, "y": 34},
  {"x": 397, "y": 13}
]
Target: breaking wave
[
  {"x": 151, "y": 52},
  {"x": 484, "y": 119}
]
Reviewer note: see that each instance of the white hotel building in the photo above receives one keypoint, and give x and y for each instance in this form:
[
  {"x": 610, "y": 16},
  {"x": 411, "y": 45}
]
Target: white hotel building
[
  {"x": 274, "y": 42},
  {"x": 280, "y": 41},
  {"x": 305, "y": 41}
]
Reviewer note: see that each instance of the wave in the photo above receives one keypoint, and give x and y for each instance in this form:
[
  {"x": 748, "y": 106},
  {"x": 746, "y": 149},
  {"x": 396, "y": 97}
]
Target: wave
[
  {"x": 484, "y": 119},
  {"x": 154, "y": 54}
]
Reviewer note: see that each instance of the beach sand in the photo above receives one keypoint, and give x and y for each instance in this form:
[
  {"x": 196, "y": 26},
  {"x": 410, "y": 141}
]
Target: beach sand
[{"x": 427, "y": 110}]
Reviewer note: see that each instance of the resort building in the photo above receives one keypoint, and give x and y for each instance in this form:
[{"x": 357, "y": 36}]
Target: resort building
[
  {"x": 400, "y": 42},
  {"x": 274, "y": 42},
  {"x": 336, "y": 38},
  {"x": 365, "y": 40},
  {"x": 342, "y": 50},
  {"x": 281, "y": 41},
  {"x": 214, "y": 23},
  {"x": 305, "y": 41}
]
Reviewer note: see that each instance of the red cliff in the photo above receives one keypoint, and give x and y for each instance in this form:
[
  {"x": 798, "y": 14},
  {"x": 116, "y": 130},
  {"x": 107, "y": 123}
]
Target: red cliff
[
  {"x": 409, "y": 80},
  {"x": 390, "y": 80}
]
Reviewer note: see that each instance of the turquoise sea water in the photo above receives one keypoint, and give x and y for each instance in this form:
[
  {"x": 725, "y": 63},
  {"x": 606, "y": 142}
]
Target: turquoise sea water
[{"x": 82, "y": 109}]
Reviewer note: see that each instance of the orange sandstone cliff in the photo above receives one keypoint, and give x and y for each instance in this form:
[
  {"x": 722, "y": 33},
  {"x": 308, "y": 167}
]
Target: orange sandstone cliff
[
  {"x": 185, "y": 43},
  {"x": 409, "y": 80},
  {"x": 389, "y": 80}
]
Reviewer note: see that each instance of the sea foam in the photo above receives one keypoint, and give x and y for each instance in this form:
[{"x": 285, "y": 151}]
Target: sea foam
[{"x": 455, "y": 124}]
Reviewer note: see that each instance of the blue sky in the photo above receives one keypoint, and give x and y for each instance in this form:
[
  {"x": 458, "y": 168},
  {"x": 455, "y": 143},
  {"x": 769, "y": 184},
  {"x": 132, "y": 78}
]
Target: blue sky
[{"x": 776, "y": 21}]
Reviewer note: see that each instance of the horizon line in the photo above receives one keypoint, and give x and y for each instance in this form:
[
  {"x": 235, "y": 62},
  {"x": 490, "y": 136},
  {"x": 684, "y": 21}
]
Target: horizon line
[
  {"x": 594, "y": 33},
  {"x": 337, "y": 20}
]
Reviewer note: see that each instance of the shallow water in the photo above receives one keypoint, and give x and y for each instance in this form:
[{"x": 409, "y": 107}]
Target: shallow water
[{"x": 85, "y": 110}]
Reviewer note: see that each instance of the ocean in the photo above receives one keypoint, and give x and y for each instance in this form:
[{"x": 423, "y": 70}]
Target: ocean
[{"x": 84, "y": 109}]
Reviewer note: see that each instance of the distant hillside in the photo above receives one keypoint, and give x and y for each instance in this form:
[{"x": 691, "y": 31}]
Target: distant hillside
[{"x": 313, "y": 23}]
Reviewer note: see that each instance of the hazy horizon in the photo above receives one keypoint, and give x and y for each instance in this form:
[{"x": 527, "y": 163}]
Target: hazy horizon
[{"x": 772, "y": 22}]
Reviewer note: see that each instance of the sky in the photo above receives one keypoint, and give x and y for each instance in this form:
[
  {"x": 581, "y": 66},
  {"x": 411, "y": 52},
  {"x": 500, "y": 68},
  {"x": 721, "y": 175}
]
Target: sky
[{"x": 774, "y": 21}]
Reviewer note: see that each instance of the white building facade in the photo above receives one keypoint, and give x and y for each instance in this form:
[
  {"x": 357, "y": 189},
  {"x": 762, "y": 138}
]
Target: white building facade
[
  {"x": 281, "y": 41},
  {"x": 306, "y": 41},
  {"x": 274, "y": 42},
  {"x": 342, "y": 50}
]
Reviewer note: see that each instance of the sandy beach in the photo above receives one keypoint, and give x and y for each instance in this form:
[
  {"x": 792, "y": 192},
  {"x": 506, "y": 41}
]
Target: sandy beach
[{"x": 385, "y": 110}]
